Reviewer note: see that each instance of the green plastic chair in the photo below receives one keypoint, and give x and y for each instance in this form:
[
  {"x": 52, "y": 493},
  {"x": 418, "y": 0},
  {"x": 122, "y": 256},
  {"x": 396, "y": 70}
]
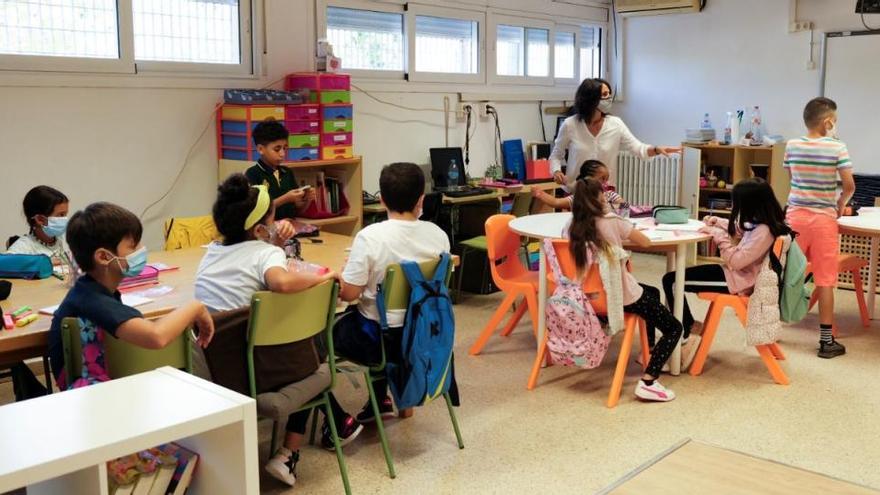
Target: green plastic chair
[
  {"x": 522, "y": 204},
  {"x": 122, "y": 358},
  {"x": 286, "y": 318},
  {"x": 395, "y": 289}
]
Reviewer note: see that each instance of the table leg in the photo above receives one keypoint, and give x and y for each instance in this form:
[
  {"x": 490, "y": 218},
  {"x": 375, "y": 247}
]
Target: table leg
[
  {"x": 872, "y": 275},
  {"x": 542, "y": 293},
  {"x": 680, "y": 259}
]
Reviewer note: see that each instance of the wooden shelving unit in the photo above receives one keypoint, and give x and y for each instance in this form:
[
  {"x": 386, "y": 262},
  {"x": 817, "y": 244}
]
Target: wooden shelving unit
[{"x": 349, "y": 169}]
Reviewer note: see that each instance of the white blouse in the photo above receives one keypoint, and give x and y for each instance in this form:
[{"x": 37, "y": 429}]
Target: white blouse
[{"x": 583, "y": 145}]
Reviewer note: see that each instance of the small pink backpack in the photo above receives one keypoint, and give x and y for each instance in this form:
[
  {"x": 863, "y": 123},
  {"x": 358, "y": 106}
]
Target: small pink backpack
[{"x": 574, "y": 333}]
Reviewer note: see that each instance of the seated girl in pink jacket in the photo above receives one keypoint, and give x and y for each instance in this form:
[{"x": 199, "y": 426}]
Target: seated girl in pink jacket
[{"x": 744, "y": 242}]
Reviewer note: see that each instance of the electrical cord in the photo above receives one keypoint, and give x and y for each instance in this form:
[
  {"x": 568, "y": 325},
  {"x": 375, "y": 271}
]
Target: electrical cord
[
  {"x": 468, "y": 110},
  {"x": 497, "y": 148},
  {"x": 189, "y": 153},
  {"x": 404, "y": 107},
  {"x": 541, "y": 119},
  {"x": 862, "y": 14}
]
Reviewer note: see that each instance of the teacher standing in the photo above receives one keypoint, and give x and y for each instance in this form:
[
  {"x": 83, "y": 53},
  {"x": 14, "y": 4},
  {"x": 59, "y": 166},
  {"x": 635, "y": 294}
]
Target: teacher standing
[{"x": 592, "y": 133}]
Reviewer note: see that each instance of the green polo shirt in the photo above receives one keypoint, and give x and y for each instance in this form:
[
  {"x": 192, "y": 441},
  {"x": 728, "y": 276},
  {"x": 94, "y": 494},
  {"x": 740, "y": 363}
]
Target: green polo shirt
[{"x": 261, "y": 173}]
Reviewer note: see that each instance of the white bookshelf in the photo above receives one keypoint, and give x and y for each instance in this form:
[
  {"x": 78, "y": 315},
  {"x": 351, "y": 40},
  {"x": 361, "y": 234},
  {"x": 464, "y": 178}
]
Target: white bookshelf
[{"x": 60, "y": 443}]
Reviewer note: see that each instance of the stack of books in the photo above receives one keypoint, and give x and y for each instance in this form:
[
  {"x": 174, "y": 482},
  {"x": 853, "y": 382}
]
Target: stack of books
[
  {"x": 699, "y": 136},
  {"x": 163, "y": 470},
  {"x": 329, "y": 190}
]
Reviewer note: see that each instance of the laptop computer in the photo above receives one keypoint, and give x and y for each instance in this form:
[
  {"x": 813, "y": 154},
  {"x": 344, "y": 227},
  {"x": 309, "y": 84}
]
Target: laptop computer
[{"x": 441, "y": 162}]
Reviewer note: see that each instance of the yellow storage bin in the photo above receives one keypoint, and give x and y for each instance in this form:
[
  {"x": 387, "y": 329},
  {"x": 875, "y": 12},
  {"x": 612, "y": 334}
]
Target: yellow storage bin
[
  {"x": 336, "y": 152},
  {"x": 253, "y": 113}
]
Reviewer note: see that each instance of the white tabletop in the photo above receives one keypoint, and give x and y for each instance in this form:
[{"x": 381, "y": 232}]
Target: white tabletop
[
  {"x": 868, "y": 222},
  {"x": 554, "y": 225},
  {"x": 64, "y": 432}
]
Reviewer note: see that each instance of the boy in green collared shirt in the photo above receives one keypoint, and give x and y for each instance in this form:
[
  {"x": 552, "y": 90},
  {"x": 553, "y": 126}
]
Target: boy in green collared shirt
[{"x": 271, "y": 139}]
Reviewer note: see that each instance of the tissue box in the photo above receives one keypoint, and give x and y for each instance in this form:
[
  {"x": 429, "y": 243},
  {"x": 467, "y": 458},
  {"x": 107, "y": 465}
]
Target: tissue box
[{"x": 538, "y": 169}]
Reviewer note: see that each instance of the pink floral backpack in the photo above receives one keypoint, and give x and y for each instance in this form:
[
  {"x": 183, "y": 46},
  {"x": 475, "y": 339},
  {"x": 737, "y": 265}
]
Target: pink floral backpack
[{"x": 574, "y": 333}]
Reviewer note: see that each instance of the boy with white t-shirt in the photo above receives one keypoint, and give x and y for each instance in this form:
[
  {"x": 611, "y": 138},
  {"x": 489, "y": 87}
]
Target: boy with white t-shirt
[{"x": 402, "y": 237}]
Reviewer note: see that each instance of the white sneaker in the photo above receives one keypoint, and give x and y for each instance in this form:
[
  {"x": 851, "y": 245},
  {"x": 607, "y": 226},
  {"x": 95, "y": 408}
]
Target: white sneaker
[
  {"x": 282, "y": 466},
  {"x": 654, "y": 392},
  {"x": 689, "y": 350}
]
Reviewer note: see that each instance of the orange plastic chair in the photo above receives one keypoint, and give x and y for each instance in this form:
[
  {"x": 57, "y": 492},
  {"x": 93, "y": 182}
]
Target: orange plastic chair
[
  {"x": 510, "y": 276},
  {"x": 770, "y": 353},
  {"x": 599, "y": 300},
  {"x": 852, "y": 264}
]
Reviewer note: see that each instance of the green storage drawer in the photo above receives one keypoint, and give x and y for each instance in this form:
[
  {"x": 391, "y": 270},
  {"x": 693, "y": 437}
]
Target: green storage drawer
[
  {"x": 337, "y": 125},
  {"x": 330, "y": 97},
  {"x": 304, "y": 140}
]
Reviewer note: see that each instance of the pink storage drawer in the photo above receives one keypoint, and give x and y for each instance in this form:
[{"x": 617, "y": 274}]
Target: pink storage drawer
[
  {"x": 336, "y": 139},
  {"x": 302, "y": 112},
  {"x": 317, "y": 81},
  {"x": 303, "y": 126}
]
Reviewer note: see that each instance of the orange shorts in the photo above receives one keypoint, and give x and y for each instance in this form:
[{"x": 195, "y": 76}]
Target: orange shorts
[{"x": 818, "y": 239}]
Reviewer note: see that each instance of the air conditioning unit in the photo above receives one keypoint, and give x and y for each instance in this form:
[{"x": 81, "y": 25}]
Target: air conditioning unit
[{"x": 656, "y": 7}]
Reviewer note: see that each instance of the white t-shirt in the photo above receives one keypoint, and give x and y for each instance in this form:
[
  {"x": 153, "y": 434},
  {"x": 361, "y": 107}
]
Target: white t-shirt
[
  {"x": 582, "y": 145},
  {"x": 385, "y": 243},
  {"x": 229, "y": 275},
  {"x": 29, "y": 244}
]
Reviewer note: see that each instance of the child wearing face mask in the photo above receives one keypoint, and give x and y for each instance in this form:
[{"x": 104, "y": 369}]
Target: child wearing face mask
[
  {"x": 105, "y": 239},
  {"x": 814, "y": 163},
  {"x": 592, "y": 169},
  {"x": 45, "y": 209},
  {"x": 251, "y": 259}
]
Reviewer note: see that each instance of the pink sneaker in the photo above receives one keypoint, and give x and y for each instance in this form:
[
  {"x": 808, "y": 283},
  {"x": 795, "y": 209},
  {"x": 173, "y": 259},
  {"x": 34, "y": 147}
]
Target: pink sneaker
[{"x": 655, "y": 392}]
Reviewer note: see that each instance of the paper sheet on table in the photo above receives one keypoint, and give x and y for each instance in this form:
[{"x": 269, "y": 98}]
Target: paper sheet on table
[
  {"x": 659, "y": 235},
  {"x": 127, "y": 299}
]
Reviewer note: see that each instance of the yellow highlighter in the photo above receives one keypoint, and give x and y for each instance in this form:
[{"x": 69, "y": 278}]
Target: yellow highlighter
[{"x": 26, "y": 320}]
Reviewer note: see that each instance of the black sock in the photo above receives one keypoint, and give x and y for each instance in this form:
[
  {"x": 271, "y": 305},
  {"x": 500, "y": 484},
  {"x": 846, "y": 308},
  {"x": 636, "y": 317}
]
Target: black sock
[
  {"x": 649, "y": 382},
  {"x": 825, "y": 336}
]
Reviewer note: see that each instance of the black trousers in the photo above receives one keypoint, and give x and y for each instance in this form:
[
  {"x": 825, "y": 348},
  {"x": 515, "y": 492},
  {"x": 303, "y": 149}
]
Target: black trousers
[
  {"x": 702, "y": 278},
  {"x": 656, "y": 315}
]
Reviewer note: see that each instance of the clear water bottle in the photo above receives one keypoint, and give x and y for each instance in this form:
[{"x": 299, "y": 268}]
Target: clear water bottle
[
  {"x": 453, "y": 173},
  {"x": 707, "y": 124},
  {"x": 756, "y": 127}
]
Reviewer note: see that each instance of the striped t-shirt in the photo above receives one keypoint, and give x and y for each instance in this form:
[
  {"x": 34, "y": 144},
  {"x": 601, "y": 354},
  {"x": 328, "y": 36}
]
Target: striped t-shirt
[{"x": 814, "y": 164}]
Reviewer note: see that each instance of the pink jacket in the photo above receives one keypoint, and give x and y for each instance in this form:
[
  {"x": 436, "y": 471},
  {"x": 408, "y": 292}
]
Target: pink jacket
[{"x": 743, "y": 259}]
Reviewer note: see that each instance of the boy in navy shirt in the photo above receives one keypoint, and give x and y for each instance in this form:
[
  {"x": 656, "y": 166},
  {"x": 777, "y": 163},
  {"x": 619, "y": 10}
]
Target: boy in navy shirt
[{"x": 104, "y": 240}]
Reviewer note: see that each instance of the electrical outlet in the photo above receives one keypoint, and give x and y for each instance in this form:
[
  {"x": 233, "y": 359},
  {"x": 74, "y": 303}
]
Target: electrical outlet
[
  {"x": 798, "y": 26},
  {"x": 460, "y": 112},
  {"x": 484, "y": 113}
]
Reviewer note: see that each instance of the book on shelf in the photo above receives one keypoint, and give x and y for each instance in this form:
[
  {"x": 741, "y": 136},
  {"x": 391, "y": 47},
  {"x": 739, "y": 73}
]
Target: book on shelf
[
  {"x": 166, "y": 469},
  {"x": 186, "y": 465}
]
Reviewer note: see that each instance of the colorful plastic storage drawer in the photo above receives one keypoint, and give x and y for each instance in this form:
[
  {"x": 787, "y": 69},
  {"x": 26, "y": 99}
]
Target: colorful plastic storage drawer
[
  {"x": 337, "y": 126},
  {"x": 336, "y": 152},
  {"x": 302, "y": 154},
  {"x": 234, "y": 141},
  {"x": 251, "y": 112},
  {"x": 248, "y": 154},
  {"x": 302, "y": 112},
  {"x": 304, "y": 140},
  {"x": 236, "y": 126},
  {"x": 336, "y": 139},
  {"x": 303, "y": 126},
  {"x": 317, "y": 80},
  {"x": 330, "y": 97},
  {"x": 335, "y": 112}
]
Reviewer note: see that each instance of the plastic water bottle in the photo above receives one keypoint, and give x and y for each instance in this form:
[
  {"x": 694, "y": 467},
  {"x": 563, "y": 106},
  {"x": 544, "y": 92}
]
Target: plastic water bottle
[
  {"x": 728, "y": 128},
  {"x": 756, "y": 128},
  {"x": 453, "y": 173},
  {"x": 707, "y": 124}
]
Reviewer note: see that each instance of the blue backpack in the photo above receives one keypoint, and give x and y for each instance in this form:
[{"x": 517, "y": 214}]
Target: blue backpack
[{"x": 425, "y": 370}]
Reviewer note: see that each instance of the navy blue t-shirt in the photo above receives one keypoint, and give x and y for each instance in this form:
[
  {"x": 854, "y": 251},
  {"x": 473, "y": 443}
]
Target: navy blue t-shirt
[{"x": 94, "y": 305}]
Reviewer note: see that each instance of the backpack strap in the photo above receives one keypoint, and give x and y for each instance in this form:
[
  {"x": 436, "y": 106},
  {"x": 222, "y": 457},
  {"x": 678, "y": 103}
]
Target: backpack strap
[
  {"x": 442, "y": 268},
  {"x": 553, "y": 261}
]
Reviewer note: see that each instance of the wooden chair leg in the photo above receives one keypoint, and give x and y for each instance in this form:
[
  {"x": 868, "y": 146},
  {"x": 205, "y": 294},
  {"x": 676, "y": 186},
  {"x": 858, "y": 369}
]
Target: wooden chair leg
[
  {"x": 514, "y": 320},
  {"x": 622, "y": 360},
  {"x": 643, "y": 340},
  {"x": 710, "y": 326},
  {"x": 860, "y": 298},
  {"x": 536, "y": 367},
  {"x": 772, "y": 364},
  {"x": 493, "y": 324}
]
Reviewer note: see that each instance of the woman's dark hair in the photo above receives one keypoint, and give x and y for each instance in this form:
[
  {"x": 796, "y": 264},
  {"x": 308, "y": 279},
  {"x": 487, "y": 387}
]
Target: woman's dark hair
[
  {"x": 236, "y": 200},
  {"x": 590, "y": 168},
  {"x": 754, "y": 202},
  {"x": 586, "y": 100},
  {"x": 41, "y": 200},
  {"x": 100, "y": 225},
  {"x": 586, "y": 208}
]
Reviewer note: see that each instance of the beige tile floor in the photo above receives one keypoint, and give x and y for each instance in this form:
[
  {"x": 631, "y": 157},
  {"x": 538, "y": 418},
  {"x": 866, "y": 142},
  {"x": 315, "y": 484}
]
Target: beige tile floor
[{"x": 560, "y": 438}]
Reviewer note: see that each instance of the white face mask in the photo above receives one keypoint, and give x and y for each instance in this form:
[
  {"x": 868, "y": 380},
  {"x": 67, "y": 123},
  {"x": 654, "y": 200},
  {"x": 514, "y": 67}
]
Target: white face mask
[{"x": 605, "y": 105}]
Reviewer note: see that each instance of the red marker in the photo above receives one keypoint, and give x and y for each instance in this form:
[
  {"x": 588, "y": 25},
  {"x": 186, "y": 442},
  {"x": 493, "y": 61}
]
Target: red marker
[{"x": 7, "y": 321}]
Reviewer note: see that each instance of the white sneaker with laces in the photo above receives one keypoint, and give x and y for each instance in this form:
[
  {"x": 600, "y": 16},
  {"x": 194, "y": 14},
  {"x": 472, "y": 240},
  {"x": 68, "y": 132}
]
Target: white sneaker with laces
[
  {"x": 282, "y": 466},
  {"x": 655, "y": 392}
]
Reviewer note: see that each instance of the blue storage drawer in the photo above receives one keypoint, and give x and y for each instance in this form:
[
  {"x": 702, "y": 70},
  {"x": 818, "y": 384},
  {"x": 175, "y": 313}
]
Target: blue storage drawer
[
  {"x": 302, "y": 154},
  {"x": 333, "y": 112},
  {"x": 235, "y": 141},
  {"x": 235, "y": 126}
]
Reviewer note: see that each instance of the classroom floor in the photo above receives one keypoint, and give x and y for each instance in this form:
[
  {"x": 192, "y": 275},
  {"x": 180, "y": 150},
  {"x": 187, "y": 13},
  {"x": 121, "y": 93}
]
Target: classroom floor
[{"x": 561, "y": 438}]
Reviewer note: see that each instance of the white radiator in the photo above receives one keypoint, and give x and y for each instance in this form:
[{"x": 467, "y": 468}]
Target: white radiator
[{"x": 654, "y": 181}]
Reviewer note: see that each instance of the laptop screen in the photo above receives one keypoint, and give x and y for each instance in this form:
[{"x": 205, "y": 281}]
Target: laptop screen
[{"x": 441, "y": 161}]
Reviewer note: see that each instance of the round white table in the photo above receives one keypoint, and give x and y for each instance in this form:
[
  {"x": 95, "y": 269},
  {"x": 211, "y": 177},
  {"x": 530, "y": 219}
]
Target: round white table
[
  {"x": 867, "y": 224},
  {"x": 663, "y": 237}
]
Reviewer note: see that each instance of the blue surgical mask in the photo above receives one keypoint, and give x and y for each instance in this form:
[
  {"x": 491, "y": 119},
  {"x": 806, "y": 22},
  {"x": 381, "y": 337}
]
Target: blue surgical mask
[
  {"x": 55, "y": 226},
  {"x": 135, "y": 261}
]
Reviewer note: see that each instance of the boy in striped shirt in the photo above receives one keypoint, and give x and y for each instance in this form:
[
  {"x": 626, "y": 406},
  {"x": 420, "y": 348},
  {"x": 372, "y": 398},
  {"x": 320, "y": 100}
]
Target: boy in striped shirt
[{"x": 814, "y": 163}]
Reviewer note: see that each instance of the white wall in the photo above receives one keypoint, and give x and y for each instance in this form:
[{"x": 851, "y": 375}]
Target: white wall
[
  {"x": 734, "y": 54},
  {"x": 124, "y": 138}
]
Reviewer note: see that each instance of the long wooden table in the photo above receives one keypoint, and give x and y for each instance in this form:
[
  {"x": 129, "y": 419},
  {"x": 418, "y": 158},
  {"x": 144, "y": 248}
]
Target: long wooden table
[
  {"x": 31, "y": 341},
  {"x": 495, "y": 194}
]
